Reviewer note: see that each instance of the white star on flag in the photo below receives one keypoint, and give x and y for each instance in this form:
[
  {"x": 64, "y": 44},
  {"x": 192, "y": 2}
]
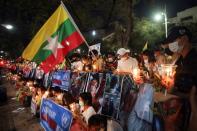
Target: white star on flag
[{"x": 53, "y": 45}]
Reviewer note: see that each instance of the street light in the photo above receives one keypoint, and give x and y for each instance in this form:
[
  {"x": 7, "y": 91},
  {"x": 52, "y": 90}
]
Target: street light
[
  {"x": 158, "y": 17},
  {"x": 7, "y": 26},
  {"x": 93, "y": 33}
]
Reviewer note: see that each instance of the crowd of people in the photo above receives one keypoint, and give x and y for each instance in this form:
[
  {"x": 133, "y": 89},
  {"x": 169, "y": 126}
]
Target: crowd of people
[{"x": 145, "y": 67}]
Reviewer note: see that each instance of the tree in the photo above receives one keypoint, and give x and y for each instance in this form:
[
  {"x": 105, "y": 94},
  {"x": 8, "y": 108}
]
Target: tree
[
  {"x": 123, "y": 21},
  {"x": 146, "y": 31}
]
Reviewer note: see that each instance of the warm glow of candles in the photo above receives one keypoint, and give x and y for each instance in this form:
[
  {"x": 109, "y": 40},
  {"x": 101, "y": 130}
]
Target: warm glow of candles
[
  {"x": 136, "y": 76},
  {"x": 30, "y": 88},
  {"x": 136, "y": 73},
  {"x": 168, "y": 72},
  {"x": 59, "y": 97},
  {"x": 117, "y": 70},
  {"x": 72, "y": 106},
  {"x": 86, "y": 68},
  {"x": 94, "y": 67},
  {"x": 28, "y": 84},
  {"x": 46, "y": 94}
]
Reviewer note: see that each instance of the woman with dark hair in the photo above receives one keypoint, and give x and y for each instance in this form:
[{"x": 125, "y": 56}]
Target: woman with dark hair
[
  {"x": 148, "y": 62},
  {"x": 67, "y": 100},
  {"x": 103, "y": 123},
  {"x": 85, "y": 102}
]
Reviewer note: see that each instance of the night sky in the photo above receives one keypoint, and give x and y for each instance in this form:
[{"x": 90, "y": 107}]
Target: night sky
[{"x": 146, "y": 8}]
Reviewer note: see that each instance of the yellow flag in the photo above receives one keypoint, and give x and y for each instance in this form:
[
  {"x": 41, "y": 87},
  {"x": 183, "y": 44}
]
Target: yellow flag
[{"x": 145, "y": 46}]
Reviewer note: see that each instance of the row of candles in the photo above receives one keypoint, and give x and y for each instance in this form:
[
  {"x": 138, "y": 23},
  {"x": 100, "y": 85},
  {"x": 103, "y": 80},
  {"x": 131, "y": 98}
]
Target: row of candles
[{"x": 167, "y": 75}]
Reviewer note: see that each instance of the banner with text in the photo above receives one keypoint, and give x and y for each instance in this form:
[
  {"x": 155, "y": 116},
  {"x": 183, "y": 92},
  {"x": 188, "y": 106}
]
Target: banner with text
[
  {"x": 54, "y": 117},
  {"x": 61, "y": 78}
]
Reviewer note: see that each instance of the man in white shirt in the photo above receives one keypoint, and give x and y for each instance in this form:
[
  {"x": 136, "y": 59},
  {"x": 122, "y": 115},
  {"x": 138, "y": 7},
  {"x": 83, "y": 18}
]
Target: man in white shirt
[
  {"x": 126, "y": 64},
  {"x": 85, "y": 102}
]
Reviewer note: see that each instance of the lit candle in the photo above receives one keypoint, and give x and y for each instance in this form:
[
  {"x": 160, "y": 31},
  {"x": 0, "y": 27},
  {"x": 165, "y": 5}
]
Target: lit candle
[
  {"x": 28, "y": 84},
  {"x": 59, "y": 97},
  {"x": 136, "y": 73},
  {"x": 86, "y": 68},
  {"x": 46, "y": 94},
  {"x": 168, "y": 72},
  {"x": 94, "y": 67},
  {"x": 30, "y": 88}
]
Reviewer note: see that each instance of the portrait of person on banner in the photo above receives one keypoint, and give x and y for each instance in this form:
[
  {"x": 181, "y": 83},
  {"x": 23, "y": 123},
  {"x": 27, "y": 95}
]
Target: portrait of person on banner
[
  {"x": 77, "y": 84},
  {"x": 111, "y": 96}
]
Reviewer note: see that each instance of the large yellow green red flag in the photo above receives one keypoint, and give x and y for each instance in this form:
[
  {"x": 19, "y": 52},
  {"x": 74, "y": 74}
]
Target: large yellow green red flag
[{"x": 56, "y": 38}]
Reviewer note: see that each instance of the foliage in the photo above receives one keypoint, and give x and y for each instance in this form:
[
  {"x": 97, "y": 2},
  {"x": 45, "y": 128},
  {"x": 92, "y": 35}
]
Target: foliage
[
  {"x": 29, "y": 15},
  {"x": 146, "y": 31}
]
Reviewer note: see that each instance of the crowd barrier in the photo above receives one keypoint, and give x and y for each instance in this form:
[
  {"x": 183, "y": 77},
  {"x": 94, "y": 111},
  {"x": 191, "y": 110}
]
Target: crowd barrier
[{"x": 113, "y": 95}]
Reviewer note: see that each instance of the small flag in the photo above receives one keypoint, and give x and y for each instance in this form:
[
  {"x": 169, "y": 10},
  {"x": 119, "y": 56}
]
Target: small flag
[
  {"x": 56, "y": 38},
  {"x": 95, "y": 47},
  {"x": 145, "y": 46}
]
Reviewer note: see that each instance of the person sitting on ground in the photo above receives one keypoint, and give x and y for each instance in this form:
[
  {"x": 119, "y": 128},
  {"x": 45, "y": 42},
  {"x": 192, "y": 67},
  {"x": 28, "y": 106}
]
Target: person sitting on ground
[
  {"x": 126, "y": 64},
  {"x": 85, "y": 102},
  {"x": 103, "y": 123},
  {"x": 58, "y": 95},
  {"x": 67, "y": 99},
  {"x": 69, "y": 102}
]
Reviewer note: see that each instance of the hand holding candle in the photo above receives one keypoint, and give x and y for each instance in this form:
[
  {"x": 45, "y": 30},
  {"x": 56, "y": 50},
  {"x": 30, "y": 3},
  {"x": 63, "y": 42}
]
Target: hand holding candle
[
  {"x": 136, "y": 76},
  {"x": 168, "y": 72}
]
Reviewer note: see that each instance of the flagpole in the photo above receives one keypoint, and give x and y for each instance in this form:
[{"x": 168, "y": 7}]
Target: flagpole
[{"x": 76, "y": 27}]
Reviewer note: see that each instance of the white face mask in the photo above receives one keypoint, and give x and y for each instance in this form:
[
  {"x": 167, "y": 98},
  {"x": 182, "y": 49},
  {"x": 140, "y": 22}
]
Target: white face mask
[
  {"x": 124, "y": 58},
  {"x": 175, "y": 47}
]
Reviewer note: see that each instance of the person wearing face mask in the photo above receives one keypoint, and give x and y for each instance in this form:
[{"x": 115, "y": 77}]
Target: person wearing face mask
[
  {"x": 179, "y": 42},
  {"x": 103, "y": 123},
  {"x": 85, "y": 102},
  {"x": 126, "y": 64},
  {"x": 148, "y": 62}
]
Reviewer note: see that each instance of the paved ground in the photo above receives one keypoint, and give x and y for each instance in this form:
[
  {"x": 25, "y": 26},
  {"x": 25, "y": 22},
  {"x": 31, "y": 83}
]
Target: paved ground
[{"x": 15, "y": 117}]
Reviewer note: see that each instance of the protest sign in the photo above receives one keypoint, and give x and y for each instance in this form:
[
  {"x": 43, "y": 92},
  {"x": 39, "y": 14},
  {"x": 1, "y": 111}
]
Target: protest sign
[
  {"x": 61, "y": 78},
  {"x": 54, "y": 117}
]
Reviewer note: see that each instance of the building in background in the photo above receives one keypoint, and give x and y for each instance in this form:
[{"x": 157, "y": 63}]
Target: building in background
[{"x": 186, "y": 16}]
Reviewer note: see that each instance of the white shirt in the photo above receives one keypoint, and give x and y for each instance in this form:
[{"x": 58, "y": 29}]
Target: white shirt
[
  {"x": 127, "y": 65},
  {"x": 88, "y": 113}
]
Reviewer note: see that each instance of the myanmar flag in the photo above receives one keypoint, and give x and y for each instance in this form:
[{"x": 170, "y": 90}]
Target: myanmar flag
[{"x": 56, "y": 38}]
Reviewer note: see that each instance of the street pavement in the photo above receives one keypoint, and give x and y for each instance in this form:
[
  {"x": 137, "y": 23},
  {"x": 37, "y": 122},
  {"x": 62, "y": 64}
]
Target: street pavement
[{"x": 14, "y": 116}]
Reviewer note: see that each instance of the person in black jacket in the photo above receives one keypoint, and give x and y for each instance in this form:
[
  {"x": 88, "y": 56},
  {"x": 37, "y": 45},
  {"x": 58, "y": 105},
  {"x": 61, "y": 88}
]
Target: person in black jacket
[{"x": 179, "y": 42}]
